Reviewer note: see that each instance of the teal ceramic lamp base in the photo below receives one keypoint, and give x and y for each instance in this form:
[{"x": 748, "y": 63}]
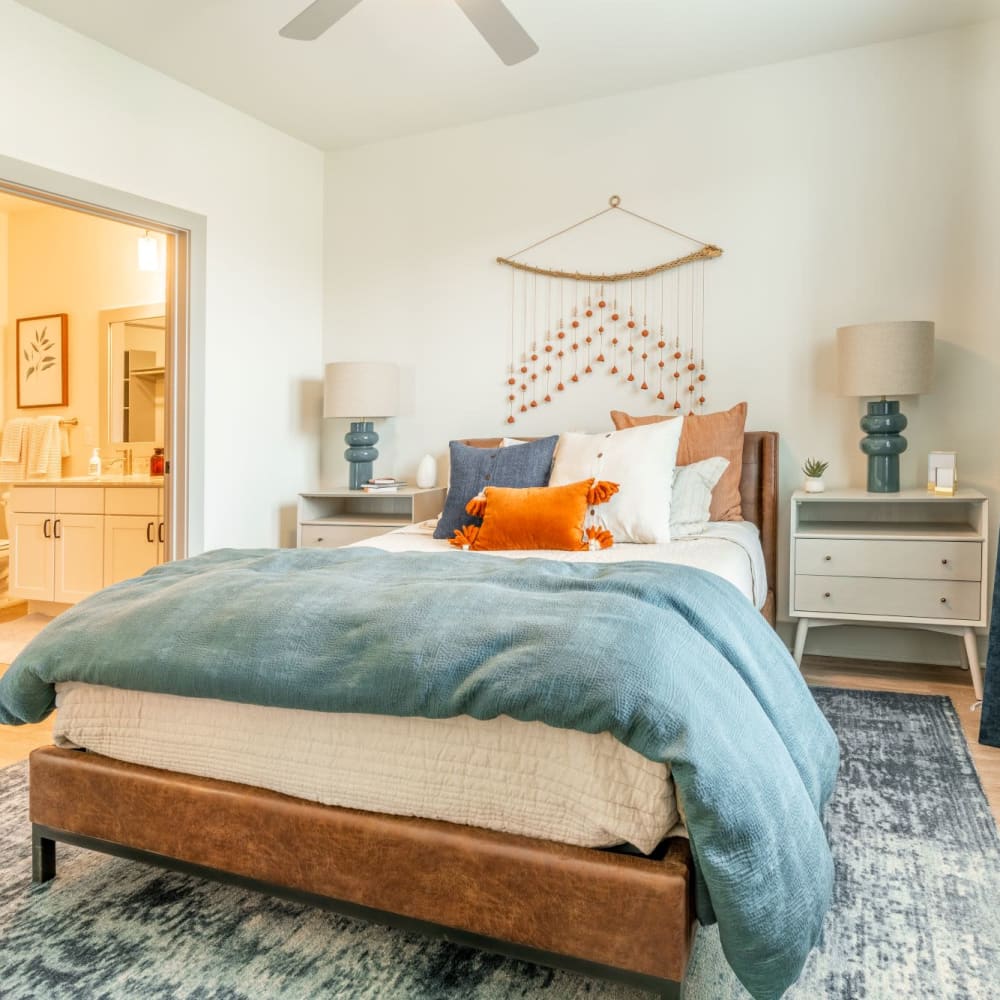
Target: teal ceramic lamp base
[
  {"x": 361, "y": 452},
  {"x": 883, "y": 445}
]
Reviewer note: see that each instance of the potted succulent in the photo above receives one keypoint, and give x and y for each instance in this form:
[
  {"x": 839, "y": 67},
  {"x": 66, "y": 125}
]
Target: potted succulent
[{"x": 814, "y": 469}]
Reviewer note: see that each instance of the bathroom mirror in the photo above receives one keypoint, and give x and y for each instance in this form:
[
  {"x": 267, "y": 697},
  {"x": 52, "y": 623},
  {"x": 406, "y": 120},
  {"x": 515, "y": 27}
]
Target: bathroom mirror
[{"x": 132, "y": 376}]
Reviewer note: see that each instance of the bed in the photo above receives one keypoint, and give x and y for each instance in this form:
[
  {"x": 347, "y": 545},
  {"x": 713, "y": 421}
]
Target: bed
[{"x": 532, "y": 897}]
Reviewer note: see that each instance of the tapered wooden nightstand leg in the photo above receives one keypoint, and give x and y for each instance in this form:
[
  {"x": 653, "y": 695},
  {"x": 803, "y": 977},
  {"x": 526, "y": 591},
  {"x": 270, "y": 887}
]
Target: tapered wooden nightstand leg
[
  {"x": 972, "y": 655},
  {"x": 800, "y": 640}
]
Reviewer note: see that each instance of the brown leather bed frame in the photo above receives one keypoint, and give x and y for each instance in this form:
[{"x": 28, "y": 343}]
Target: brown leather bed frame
[{"x": 601, "y": 913}]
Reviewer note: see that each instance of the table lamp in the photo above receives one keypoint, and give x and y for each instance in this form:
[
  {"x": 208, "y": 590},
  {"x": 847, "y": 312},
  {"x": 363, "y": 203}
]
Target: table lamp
[
  {"x": 885, "y": 359},
  {"x": 360, "y": 390}
]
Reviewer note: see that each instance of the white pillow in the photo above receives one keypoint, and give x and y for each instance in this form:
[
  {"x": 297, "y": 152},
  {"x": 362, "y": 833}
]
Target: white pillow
[
  {"x": 691, "y": 500},
  {"x": 641, "y": 461}
]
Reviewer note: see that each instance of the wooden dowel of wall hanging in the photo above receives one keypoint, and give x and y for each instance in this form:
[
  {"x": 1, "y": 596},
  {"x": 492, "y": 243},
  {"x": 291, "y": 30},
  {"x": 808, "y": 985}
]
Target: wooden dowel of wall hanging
[{"x": 705, "y": 253}]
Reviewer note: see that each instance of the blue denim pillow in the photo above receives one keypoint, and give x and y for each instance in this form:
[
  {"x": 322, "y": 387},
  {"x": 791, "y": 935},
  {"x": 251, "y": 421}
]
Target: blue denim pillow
[{"x": 473, "y": 469}]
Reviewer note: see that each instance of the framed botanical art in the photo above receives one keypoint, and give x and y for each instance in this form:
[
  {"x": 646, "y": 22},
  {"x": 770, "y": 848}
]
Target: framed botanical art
[{"x": 42, "y": 361}]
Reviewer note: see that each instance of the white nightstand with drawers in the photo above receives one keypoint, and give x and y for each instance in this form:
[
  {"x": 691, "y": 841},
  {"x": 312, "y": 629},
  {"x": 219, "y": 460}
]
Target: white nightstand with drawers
[
  {"x": 331, "y": 518},
  {"x": 909, "y": 559}
]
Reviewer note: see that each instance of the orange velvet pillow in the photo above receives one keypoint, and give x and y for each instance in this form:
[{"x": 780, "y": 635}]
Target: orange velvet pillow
[
  {"x": 705, "y": 435},
  {"x": 537, "y": 517}
]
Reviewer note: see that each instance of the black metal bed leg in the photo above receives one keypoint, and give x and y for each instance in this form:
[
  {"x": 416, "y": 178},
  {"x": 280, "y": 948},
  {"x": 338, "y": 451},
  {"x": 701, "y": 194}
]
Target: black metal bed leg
[{"x": 43, "y": 857}]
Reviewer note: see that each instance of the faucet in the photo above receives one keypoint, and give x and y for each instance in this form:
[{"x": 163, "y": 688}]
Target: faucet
[{"x": 125, "y": 457}]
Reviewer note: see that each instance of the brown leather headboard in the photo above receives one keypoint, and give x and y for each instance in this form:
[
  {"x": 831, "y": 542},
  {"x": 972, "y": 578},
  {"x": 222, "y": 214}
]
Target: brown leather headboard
[{"x": 758, "y": 493}]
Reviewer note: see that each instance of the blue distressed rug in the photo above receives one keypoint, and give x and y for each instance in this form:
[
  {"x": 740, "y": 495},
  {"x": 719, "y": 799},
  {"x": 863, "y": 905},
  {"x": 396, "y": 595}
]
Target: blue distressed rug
[{"x": 916, "y": 911}]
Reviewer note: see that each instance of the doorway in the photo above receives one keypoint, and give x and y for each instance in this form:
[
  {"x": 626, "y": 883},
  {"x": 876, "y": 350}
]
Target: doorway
[{"x": 181, "y": 238}]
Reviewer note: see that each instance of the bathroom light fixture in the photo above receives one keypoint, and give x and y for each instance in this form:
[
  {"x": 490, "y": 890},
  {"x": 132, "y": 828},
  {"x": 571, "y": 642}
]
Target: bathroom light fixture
[{"x": 149, "y": 253}]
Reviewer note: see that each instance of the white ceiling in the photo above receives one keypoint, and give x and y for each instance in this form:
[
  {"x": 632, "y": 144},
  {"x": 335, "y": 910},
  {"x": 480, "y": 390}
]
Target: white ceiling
[{"x": 399, "y": 67}]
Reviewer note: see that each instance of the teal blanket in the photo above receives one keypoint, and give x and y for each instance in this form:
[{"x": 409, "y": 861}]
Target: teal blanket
[{"x": 672, "y": 661}]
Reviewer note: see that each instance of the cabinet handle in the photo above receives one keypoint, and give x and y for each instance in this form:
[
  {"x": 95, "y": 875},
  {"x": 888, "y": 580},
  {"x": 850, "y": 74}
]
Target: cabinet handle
[
  {"x": 56, "y": 533},
  {"x": 944, "y": 600},
  {"x": 827, "y": 594},
  {"x": 944, "y": 562},
  {"x": 45, "y": 528},
  {"x": 827, "y": 558},
  {"x": 159, "y": 533},
  {"x": 149, "y": 532}
]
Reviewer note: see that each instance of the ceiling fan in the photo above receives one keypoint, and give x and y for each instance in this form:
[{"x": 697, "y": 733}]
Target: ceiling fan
[{"x": 489, "y": 17}]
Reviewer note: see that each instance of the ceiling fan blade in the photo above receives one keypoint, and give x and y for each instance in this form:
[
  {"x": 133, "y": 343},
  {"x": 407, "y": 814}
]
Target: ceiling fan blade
[
  {"x": 317, "y": 18},
  {"x": 500, "y": 29}
]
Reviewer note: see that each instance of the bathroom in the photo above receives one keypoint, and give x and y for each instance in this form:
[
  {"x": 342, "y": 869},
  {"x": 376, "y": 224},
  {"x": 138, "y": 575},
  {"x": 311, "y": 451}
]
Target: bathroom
[{"x": 108, "y": 280}]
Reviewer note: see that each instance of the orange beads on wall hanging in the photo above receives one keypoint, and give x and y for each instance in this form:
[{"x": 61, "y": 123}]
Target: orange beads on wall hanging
[{"x": 645, "y": 327}]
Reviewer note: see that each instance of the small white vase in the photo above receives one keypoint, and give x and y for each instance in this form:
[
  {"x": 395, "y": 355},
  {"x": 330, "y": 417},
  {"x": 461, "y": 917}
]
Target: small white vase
[
  {"x": 814, "y": 484},
  {"x": 427, "y": 472}
]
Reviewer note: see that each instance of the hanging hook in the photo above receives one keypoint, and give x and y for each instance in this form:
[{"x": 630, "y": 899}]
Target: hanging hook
[{"x": 614, "y": 201}]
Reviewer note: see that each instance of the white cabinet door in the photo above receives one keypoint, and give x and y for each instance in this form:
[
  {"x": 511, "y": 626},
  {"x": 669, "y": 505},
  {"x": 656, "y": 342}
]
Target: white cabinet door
[
  {"x": 130, "y": 546},
  {"x": 31, "y": 556},
  {"x": 79, "y": 556}
]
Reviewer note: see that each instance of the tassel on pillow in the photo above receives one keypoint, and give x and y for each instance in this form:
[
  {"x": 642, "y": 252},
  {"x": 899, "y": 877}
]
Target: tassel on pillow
[
  {"x": 476, "y": 507},
  {"x": 465, "y": 537},
  {"x": 599, "y": 538},
  {"x": 601, "y": 492}
]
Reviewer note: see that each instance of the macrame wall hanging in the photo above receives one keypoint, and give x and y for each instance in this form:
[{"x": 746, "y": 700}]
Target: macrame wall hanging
[{"x": 645, "y": 326}]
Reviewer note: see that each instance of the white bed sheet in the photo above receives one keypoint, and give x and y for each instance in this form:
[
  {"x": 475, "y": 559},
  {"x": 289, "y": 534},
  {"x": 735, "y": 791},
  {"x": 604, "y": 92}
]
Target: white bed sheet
[
  {"x": 519, "y": 777},
  {"x": 730, "y": 549}
]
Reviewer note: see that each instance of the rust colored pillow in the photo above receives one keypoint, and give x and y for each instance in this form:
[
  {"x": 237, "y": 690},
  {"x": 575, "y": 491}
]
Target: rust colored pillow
[
  {"x": 537, "y": 517},
  {"x": 706, "y": 435}
]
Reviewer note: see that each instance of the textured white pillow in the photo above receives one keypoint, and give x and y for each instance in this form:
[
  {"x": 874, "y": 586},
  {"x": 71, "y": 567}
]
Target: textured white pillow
[
  {"x": 691, "y": 501},
  {"x": 641, "y": 461}
]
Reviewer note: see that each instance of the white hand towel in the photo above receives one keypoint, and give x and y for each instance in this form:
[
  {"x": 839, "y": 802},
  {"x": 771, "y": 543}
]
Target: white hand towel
[
  {"x": 45, "y": 448},
  {"x": 13, "y": 439}
]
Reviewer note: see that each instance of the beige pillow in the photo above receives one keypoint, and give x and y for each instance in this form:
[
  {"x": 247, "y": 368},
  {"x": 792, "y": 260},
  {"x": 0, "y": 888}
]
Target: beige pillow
[{"x": 707, "y": 435}]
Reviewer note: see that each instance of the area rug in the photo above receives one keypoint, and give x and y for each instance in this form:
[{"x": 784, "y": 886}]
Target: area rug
[{"x": 916, "y": 911}]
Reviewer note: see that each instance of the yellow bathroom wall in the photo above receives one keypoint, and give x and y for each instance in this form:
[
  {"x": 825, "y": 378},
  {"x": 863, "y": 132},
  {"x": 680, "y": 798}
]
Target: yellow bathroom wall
[
  {"x": 60, "y": 261},
  {"x": 3, "y": 306}
]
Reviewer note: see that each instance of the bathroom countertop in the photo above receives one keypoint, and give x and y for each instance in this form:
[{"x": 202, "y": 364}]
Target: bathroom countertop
[{"x": 154, "y": 481}]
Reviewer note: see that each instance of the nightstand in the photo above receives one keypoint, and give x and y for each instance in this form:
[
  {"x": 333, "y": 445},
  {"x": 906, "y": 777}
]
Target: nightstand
[
  {"x": 909, "y": 559},
  {"x": 331, "y": 518}
]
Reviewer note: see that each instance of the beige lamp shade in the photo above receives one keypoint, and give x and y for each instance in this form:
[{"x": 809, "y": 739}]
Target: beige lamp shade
[
  {"x": 886, "y": 359},
  {"x": 359, "y": 389}
]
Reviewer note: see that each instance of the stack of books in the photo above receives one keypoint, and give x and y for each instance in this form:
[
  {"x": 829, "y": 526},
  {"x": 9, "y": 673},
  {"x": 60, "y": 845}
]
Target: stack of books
[{"x": 383, "y": 484}]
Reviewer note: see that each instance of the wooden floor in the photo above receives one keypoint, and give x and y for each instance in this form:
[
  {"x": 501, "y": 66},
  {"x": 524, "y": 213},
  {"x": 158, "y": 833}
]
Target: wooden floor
[{"x": 16, "y": 742}]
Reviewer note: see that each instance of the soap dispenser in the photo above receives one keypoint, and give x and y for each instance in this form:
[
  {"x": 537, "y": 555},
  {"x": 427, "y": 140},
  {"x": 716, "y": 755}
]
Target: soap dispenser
[{"x": 94, "y": 465}]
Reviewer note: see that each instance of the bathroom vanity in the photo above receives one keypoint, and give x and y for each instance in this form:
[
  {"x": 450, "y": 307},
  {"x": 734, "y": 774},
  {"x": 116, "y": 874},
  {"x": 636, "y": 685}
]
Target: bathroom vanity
[{"x": 70, "y": 537}]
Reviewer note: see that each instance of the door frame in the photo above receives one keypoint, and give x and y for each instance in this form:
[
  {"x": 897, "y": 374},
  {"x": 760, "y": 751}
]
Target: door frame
[{"x": 184, "y": 389}]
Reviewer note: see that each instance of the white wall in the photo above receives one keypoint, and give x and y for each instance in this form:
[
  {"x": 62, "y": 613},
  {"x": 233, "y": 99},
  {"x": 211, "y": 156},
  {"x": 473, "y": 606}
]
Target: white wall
[
  {"x": 849, "y": 187},
  {"x": 77, "y": 107}
]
